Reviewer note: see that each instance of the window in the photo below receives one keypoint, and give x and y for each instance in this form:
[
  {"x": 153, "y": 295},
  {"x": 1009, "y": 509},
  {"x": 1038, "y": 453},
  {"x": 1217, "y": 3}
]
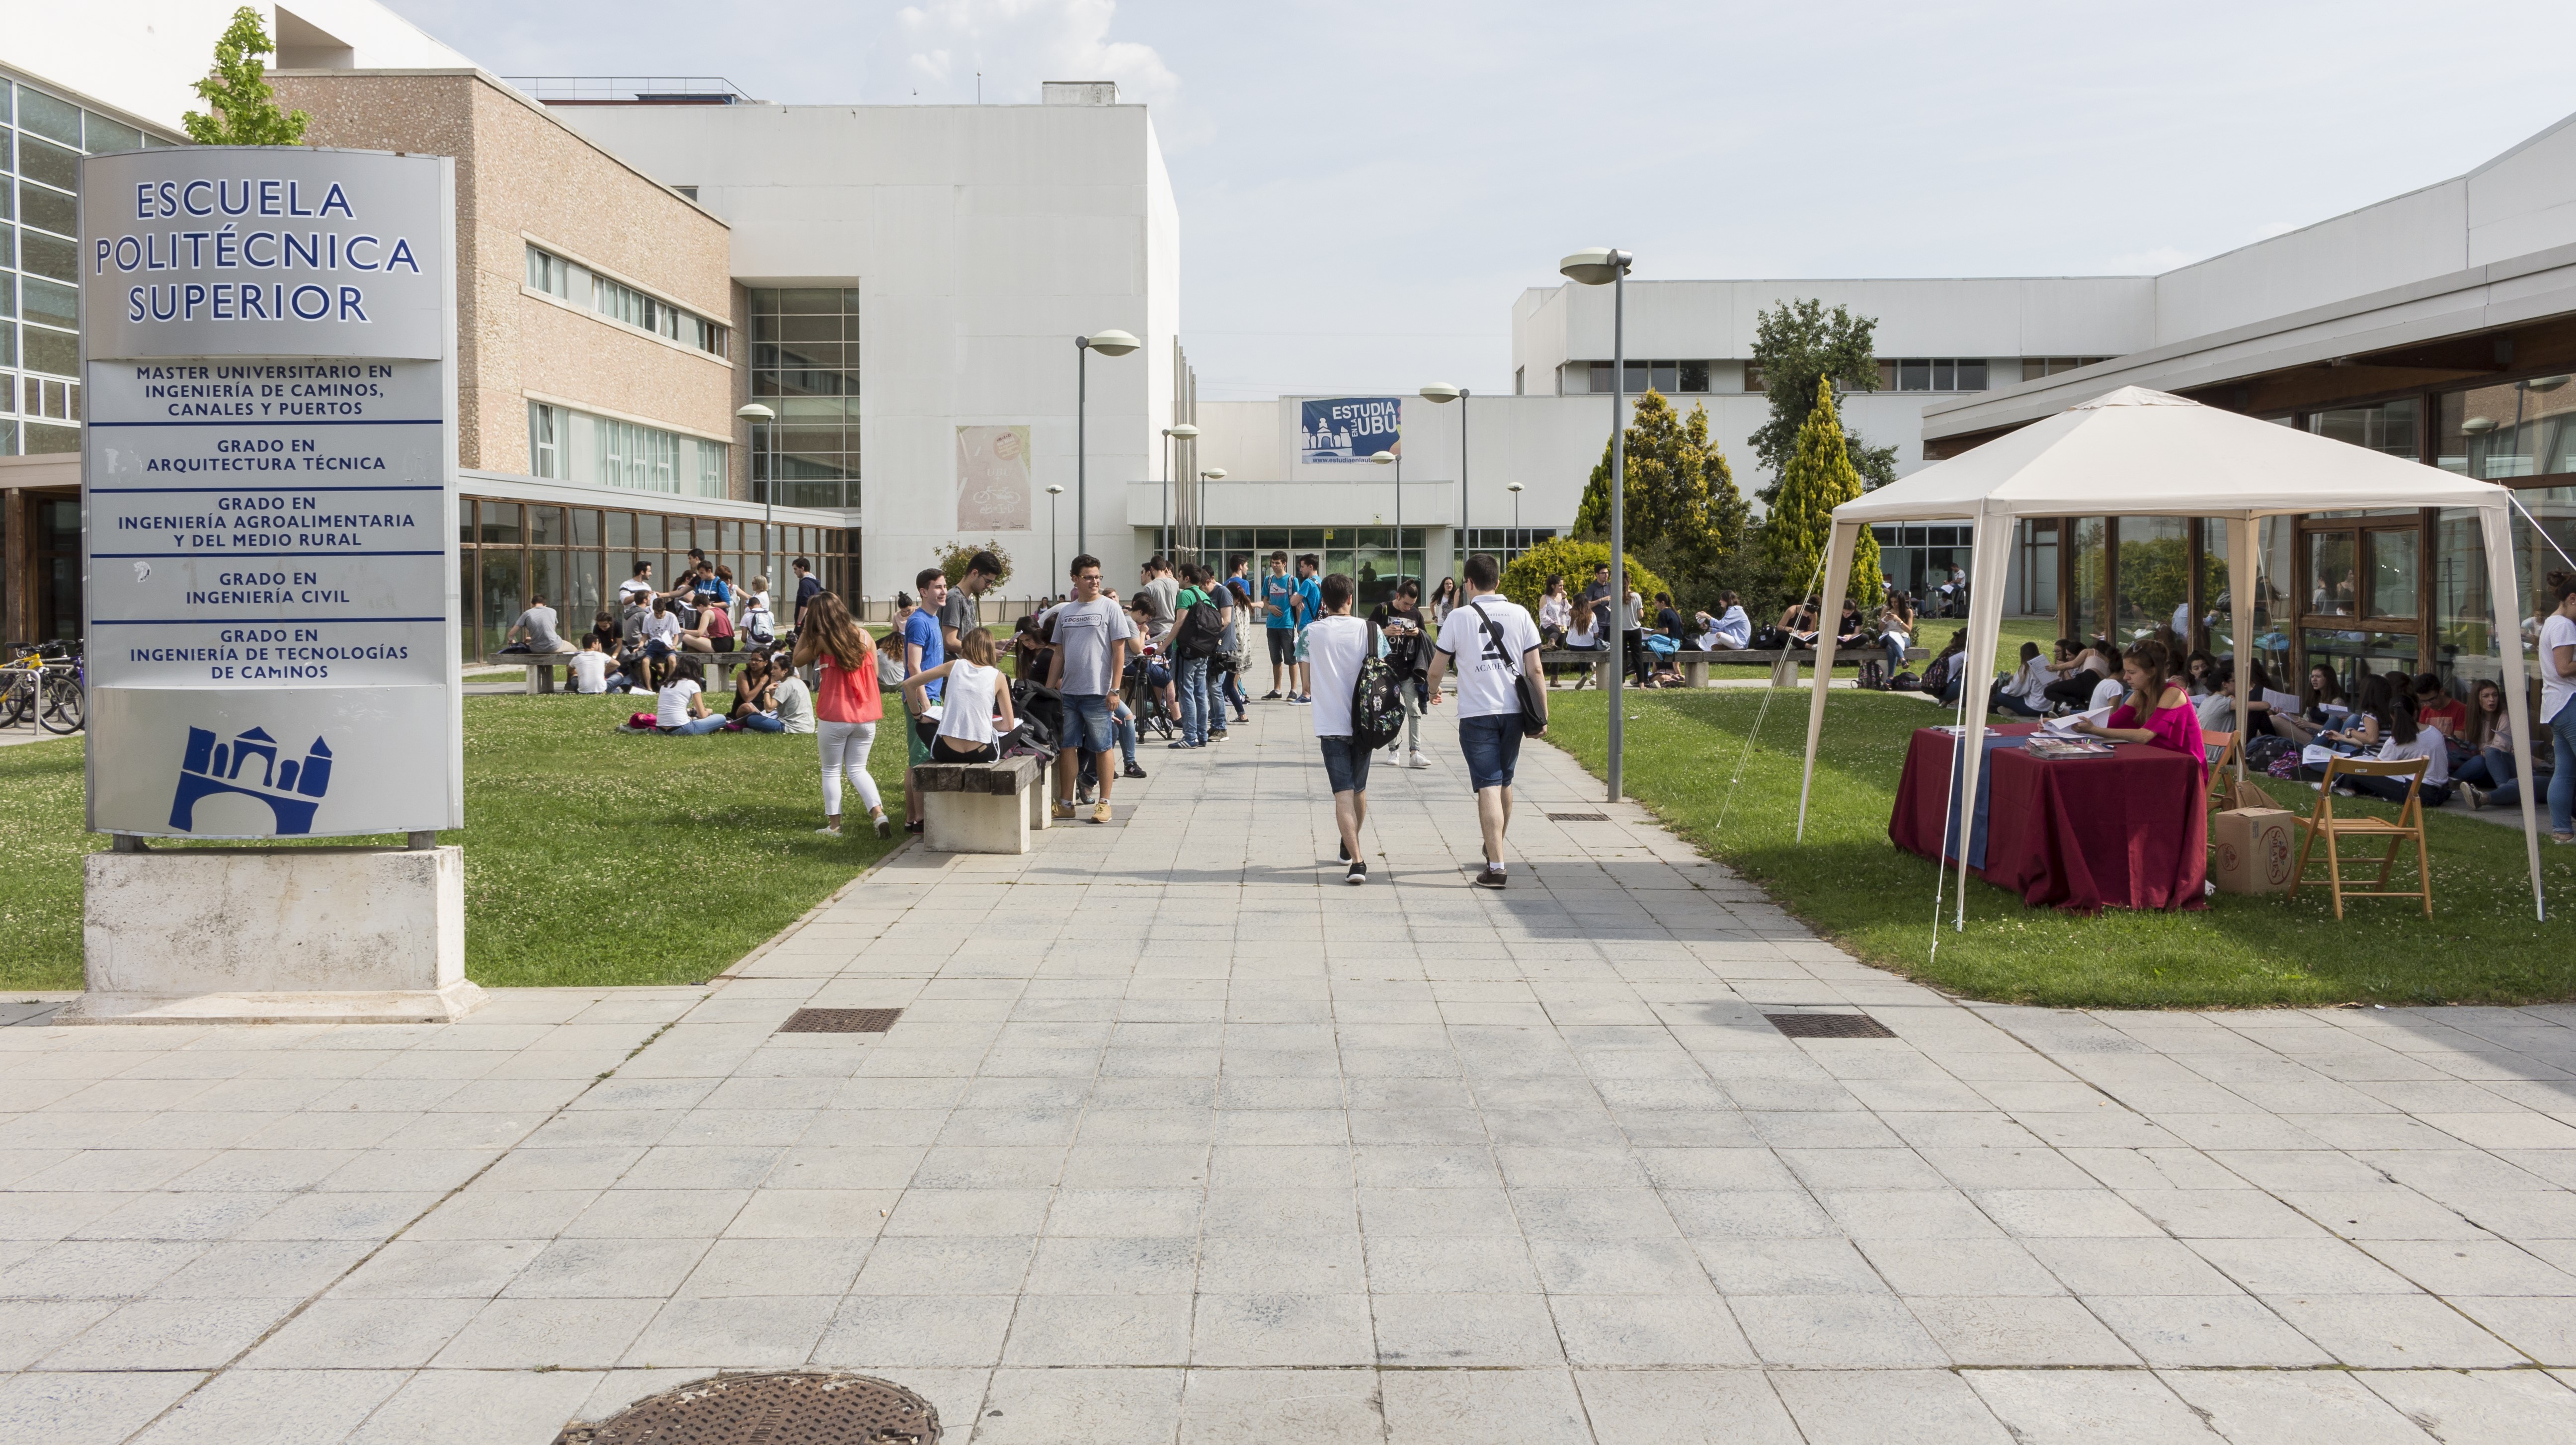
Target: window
[
  {"x": 546, "y": 441},
  {"x": 641, "y": 458},
  {"x": 1753, "y": 378},
  {"x": 2035, "y": 367},
  {"x": 549, "y": 273},
  {"x": 2510, "y": 429},
  {"x": 805, "y": 367},
  {"x": 2388, "y": 427},
  {"x": 1933, "y": 373},
  {"x": 554, "y": 276},
  {"x": 1669, "y": 377}
]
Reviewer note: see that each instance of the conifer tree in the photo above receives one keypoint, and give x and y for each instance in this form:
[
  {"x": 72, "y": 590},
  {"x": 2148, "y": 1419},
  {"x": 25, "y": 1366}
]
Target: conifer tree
[
  {"x": 1819, "y": 478},
  {"x": 1681, "y": 495},
  {"x": 244, "y": 105}
]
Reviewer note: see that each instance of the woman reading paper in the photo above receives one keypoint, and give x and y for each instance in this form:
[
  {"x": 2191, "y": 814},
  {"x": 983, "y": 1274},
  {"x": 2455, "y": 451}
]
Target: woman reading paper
[{"x": 2157, "y": 712}]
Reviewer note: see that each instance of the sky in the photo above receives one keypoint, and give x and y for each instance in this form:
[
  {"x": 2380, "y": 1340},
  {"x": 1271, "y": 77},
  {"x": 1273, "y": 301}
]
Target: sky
[{"x": 1365, "y": 188}]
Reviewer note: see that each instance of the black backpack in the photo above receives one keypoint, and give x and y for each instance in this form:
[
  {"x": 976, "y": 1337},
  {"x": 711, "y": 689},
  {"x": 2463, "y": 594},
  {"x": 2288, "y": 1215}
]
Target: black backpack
[
  {"x": 1202, "y": 629},
  {"x": 1377, "y": 699}
]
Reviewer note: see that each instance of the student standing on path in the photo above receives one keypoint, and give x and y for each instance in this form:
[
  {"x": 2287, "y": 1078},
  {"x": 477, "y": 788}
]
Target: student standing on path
[
  {"x": 1279, "y": 603},
  {"x": 1092, "y": 640},
  {"x": 1408, "y": 639},
  {"x": 963, "y": 612},
  {"x": 1497, "y": 645},
  {"x": 848, "y": 705},
  {"x": 808, "y": 587},
  {"x": 1310, "y": 595},
  {"x": 1336, "y": 644},
  {"x": 924, "y": 647}
]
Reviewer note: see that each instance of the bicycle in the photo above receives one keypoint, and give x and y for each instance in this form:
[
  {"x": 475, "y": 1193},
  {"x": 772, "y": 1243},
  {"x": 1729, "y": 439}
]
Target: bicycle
[
  {"x": 21, "y": 683},
  {"x": 65, "y": 710}
]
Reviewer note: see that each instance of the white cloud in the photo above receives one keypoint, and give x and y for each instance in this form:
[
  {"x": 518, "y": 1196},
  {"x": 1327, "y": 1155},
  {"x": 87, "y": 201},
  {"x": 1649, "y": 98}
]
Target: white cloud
[{"x": 1017, "y": 44}]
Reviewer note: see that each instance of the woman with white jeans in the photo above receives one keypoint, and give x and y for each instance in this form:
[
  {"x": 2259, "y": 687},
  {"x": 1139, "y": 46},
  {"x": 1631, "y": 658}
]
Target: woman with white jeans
[{"x": 847, "y": 706}]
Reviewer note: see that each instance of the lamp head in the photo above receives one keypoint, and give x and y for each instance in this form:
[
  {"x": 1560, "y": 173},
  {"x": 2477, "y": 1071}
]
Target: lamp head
[
  {"x": 1441, "y": 391},
  {"x": 1109, "y": 343},
  {"x": 755, "y": 412},
  {"x": 1055, "y": 489},
  {"x": 2544, "y": 383},
  {"x": 1184, "y": 431},
  {"x": 1595, "y": 265},
  {"x": 2478, "y": 425},
  {"x": 1382, "y": 458},
  {"x": 1514, "y": 487},
  {"x": 1214, "y": 474}
]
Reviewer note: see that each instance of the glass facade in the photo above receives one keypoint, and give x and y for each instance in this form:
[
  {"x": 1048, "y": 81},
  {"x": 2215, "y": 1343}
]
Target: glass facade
[
  {"x": 1366, "y": 555},
  {"x": 42, "y": 138},
  {"x": 2514, "y": 429},
  {"x": 508, "y": 552},
  {"x": 1918, "y": 559},
  {"x": 1505, "y": 542},
  {"x": 805, "y": 367}
]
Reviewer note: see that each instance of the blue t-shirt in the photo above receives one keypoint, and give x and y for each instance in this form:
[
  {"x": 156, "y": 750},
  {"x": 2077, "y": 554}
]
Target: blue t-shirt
[
  {"x": 1279, "y": 595},
  {"x": 1312, "y": 593},
  {"x": 922, "y": 631}
]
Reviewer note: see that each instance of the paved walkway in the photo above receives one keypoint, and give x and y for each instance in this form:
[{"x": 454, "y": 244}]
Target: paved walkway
[{"x": 1180, "y": 1139}]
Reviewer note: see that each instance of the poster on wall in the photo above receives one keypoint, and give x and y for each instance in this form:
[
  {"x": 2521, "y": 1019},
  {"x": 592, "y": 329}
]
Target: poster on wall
[
  {"x": 1348, "y": 429},
  {"x": 992, "y": 479}
]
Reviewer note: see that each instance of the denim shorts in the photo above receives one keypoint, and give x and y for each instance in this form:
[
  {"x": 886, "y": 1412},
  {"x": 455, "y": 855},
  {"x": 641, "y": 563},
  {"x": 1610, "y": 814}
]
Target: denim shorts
[
  {"x": 1346, "y": 763},
  {"x": 1492, "y": 747},
  {"x": 1086, "y": 722}
]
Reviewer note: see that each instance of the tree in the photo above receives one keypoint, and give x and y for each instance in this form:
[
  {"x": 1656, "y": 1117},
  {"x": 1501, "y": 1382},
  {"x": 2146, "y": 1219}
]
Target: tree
[
  {"x": 1681, "y": 496},
  {"x": 1795, "y": 346},
  {"x": 954, "y": 557},
  {"x": 244, "y": 105},
  {"x": 1818, "y": 478},
  {"x": 1526, "y": 578}
]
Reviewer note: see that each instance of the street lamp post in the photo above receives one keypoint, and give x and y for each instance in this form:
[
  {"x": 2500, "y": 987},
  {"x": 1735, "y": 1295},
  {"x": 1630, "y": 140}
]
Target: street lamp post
[
  {"x": 1597, "y": 266},
  {"x": 1198, "y": 515},
  {"x": 1055, "y": 533},
  {"x": 1444, "y": 394},
  {"x": 1107, "y": 343},
  {"x": 1382, "y": 458},
  {"x": 1515, "y": 490},
  {"x": 1183, "y": 432},
  {"x": 755, "y": 413}
]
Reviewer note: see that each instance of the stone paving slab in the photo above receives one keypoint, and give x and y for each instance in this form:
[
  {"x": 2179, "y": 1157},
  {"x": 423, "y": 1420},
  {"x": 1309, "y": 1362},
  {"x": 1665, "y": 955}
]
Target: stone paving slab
[{"x": 1179, "y": 1138}]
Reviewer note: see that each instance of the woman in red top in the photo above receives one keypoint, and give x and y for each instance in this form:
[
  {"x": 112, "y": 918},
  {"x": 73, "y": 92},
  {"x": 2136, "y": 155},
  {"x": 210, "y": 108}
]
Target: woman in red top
[
  {"x": 2157, "y": 712},
  {"x": 847, "y": 705}
]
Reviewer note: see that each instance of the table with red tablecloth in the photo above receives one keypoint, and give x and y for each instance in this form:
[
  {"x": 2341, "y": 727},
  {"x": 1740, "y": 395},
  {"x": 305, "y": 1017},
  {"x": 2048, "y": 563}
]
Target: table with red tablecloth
[{"x": 2125, "y": 831}]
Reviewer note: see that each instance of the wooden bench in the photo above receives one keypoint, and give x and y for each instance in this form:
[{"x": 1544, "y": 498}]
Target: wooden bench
[
  {"x": 981, "y": 807},
  {"x": 1694, "y": 664}
]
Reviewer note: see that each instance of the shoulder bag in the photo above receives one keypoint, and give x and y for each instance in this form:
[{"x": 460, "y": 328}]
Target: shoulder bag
[{"x": 1533, "y": 703}]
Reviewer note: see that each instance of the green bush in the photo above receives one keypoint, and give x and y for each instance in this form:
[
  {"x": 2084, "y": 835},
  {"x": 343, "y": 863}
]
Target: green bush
[{"x": 1526, "y": 578}]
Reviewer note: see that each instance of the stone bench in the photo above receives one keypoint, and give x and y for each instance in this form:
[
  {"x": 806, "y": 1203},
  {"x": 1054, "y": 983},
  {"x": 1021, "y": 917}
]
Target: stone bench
[
  {"x": 1694, "y": 664},
  {"x": 541, "y": 666},
  {"x": 981, "y": 807}
]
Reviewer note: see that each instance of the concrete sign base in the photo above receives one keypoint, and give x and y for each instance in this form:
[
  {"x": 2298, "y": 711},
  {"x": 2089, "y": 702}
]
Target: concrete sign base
[{"x": 274, "y": 935}]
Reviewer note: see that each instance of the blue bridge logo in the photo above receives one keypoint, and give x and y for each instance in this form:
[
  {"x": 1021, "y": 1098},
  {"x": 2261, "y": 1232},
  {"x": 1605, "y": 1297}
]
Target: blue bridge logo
[{"x": 292, "y": 789}]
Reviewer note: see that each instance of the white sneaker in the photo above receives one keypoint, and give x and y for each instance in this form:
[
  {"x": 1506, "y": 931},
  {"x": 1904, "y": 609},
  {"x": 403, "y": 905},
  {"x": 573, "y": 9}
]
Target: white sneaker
[
  {"x": 829, "y": 832},
  {"x": 1417, "y": 760}
]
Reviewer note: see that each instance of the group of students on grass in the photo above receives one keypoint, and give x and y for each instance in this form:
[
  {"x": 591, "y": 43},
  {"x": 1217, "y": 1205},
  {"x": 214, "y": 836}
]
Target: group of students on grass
[{"x": 2466, "y": 742}]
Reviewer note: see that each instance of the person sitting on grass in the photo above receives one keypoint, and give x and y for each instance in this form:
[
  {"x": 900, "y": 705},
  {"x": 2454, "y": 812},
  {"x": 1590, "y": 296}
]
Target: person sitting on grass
[
  {"x": 1943, "y": 675},
  {"x": 603, "y": 630},
  {"x": 973, "y": 695},
  {"x": 2158, "y": 712},
  {"x": 2487, "y": 778},
  {"x": 2436, "y": 708},
  {"x": 2399, "y": 736},
  {"x": 794, "y": 699},
  {"x": 681, "y": 705},
  {"x": 661, "y": 640},
  {"x": 2025, "y": 692},
  {"x": 755, "y": 701},
  {"x": 589, "y": 667}
]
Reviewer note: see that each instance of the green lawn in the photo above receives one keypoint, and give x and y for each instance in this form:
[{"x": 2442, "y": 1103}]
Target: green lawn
[
  {"x": 591, "y": 856},
  {"x": 1849, "y": 882}
]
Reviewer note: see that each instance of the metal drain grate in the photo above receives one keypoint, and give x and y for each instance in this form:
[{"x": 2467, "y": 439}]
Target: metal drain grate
[
  {"x": 1829, "y": 1026},
  {"x": 840, "y": 1021},
  {"x": 787, "y": 1408},
  {"x": 1578, "y": 817}
]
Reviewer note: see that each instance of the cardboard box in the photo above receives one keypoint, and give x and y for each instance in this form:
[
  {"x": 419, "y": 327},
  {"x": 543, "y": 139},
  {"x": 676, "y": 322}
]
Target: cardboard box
[{"x": 2254, "y": 850}]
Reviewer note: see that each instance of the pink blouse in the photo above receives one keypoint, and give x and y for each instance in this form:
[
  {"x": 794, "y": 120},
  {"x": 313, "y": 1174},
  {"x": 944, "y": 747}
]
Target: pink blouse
[{"x": 2176, "y": 729}]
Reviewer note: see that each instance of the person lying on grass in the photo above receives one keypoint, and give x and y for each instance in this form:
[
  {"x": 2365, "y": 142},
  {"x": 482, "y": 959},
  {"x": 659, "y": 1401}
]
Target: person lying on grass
[{"x": 975, "y": 693}]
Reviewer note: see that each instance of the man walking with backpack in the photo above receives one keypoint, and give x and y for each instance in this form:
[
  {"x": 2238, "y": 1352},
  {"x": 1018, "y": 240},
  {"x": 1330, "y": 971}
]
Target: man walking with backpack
[
  {"x": 1338, "y": 645},
  {"x": 1195, "y": 639},
  {"x": 1496, "y": 647}
]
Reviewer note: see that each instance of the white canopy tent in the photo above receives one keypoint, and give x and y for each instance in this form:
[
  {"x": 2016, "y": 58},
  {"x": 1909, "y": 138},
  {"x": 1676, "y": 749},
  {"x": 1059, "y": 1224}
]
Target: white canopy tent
[{"x": 2132, "y": 453}]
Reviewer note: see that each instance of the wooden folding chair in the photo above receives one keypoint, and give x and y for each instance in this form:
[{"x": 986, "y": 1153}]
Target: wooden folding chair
[
  {"x": 2409, "y": 823},
  {"x": 2220, "y": 766}
]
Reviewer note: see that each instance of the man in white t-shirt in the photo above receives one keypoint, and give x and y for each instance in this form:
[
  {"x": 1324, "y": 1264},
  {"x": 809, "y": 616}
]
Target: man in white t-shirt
[
  {"x": 589, "y": 667},
  {"x": 1494, "y": 644},
  {"x": 2558, "y": 702},
  {"x": 1336, "y": 644}
]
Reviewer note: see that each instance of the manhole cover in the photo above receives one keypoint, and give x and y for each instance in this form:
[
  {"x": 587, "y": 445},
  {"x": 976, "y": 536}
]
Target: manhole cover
[
  {"x": 788, "y": 1408},
  {"x": 1829, "y": 1026},
  {"x": 840, "y": 1021},
  {"x": 1578, "y": 817}
]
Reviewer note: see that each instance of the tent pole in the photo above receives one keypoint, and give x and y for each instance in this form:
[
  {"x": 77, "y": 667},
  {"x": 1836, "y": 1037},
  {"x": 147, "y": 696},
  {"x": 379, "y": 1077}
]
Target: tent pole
[
  {"x": 2244, "y": 572},
  {"x": 1992, "y": 544},
  {"x": 2505, "y": 593},
  {"x": 1829, "y": 607}
]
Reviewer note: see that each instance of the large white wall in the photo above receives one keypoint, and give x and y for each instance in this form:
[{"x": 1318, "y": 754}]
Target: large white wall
[
  {"x": 141, "y": 56},
  {"x": 983, "y": 240}
]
